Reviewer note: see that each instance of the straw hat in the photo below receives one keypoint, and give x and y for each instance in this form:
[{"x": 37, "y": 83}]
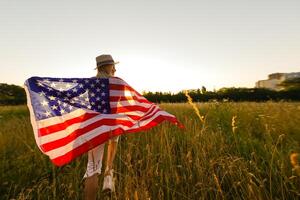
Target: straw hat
[{"x": 104, "y": 59}]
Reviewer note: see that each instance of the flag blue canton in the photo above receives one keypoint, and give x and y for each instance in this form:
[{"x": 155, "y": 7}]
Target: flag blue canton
[{"x": 52, "y": 97}]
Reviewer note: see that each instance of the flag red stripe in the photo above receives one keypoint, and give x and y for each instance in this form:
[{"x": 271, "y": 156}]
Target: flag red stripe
[
  {"x": 148, "y": 116},
  {"x": 123, "y": 88},
  {"x": 120, "y": 87},
  {"x": 130, "y": 108},
  {"x": 75, "y": 134},
  {"x": 127, "y": 98},
  {"x": 61, "y": 160},
  {"x": 134, "y": 117},
  {"x": 62, "y": 126}
]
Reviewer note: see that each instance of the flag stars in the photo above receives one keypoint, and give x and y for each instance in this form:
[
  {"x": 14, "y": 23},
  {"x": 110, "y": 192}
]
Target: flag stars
[
  {"x": 52, "y": 98},
  {"x": 40, "y": 83},
  {"x": 54, "y": 107},
  {"x": 68, "y": 85},
  {"x": 61, "y": 96},
  {"x": 44, "y": 103},
  {"x": 47, "y": 114},
  {"x": 42, "y": 93}
]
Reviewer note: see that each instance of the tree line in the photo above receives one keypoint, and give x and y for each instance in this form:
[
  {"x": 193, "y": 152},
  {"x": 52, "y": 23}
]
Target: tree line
[
  {"x": 226, "y": 94},
  {"x": 15, "y": 95}
]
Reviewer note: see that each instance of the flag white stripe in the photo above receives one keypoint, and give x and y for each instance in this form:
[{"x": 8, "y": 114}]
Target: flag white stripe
[
  {"x": 117, "y": 81},
  {"x": 118, "y": 93},
  {"x": 129, "y": 103},
  {"x": 94, "y": 133},
  {"x": 58, "y": 119},
  {"x": 64, "y": 133},
  {"x": 149, "y": 114},
  {"x": 32, "y": 116},
  {"x": 79, "y": 141}
]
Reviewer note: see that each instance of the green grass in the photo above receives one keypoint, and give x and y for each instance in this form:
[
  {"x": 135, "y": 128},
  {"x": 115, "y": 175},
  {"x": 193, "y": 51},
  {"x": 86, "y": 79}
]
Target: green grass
[{"x": 204, "y": 161}]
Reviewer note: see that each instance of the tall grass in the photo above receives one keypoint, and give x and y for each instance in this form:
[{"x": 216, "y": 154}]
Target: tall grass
[{"x": 241, "y": 151}]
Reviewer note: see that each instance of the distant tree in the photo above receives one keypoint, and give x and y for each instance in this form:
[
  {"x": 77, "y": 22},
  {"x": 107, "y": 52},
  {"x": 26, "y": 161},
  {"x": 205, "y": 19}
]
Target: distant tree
[
  {"x": 203, "y": 90},
  {"x": 12, "y": 94},
  {"x": 291, "y": 84}
]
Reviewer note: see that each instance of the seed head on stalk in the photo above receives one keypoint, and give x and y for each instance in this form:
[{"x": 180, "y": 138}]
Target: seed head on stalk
[
  {"x": 233, "y": 123},
  {"x": 190, "y": 101}
]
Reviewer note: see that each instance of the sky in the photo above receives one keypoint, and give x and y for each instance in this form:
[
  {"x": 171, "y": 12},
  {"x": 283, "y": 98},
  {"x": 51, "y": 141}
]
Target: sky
[{"x": 161, "y": 45}]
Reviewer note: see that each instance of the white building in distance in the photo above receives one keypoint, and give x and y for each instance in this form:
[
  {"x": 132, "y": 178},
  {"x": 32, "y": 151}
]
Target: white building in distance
[{"x": 275, "y": 79}]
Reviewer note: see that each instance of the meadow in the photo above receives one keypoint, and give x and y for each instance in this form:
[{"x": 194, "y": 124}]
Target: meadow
[{"x": 235, "y": 151}]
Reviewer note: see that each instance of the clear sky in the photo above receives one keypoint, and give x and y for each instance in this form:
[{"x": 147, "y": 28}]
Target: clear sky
[{"x": 161, "y": 45}]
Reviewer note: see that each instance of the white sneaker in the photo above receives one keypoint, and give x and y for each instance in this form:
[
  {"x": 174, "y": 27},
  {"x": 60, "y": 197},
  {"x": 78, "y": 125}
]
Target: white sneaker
[{"x": 108, "y": 183}]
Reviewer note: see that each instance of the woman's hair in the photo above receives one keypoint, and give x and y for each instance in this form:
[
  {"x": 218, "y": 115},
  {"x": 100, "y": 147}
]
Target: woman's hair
[{"x": 101, "y": 73}]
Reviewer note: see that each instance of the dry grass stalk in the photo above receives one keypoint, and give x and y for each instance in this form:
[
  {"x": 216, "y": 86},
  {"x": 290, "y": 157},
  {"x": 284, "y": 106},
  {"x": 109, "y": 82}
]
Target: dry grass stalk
[
  {"x": 190, "y": 101},
  {"x": 233, "y": 123}
]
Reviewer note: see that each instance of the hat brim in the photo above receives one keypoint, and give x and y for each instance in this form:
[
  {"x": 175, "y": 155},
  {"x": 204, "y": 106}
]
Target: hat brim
[{"x": 108, "y": 64}]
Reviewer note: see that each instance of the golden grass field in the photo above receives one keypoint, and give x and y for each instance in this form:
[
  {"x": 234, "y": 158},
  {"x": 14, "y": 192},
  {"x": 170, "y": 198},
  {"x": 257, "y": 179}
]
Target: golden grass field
[{"x": 237, "y": 151}]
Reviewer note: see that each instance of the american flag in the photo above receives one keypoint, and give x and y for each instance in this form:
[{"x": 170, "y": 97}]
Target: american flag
[{"x": 73, "y": 115}]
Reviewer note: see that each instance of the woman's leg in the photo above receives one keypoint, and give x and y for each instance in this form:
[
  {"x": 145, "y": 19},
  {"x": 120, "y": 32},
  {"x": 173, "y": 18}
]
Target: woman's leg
[
  {"x": 91, "y": 187},
  {"x": 93, "y": 170},
  {"x": 111, "y": 152},
  {"x": 108, "y": 182}
]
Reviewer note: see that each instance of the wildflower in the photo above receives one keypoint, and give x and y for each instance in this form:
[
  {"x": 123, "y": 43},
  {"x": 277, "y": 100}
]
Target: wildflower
[{"x": 294, "y": 158}]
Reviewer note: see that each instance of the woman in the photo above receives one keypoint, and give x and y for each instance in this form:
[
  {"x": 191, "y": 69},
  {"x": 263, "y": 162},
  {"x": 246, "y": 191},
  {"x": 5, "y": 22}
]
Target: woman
[{"x": 105, "y": 69}]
